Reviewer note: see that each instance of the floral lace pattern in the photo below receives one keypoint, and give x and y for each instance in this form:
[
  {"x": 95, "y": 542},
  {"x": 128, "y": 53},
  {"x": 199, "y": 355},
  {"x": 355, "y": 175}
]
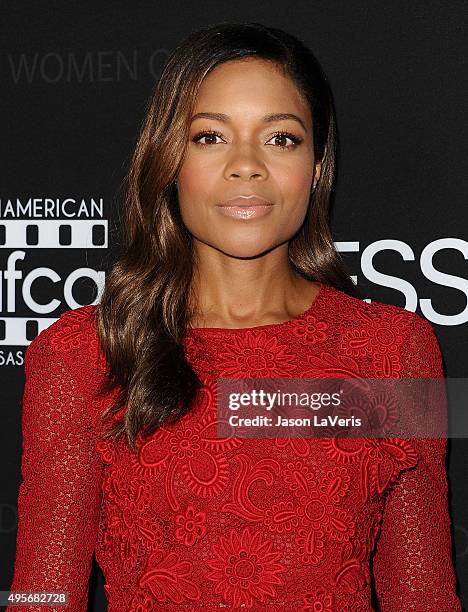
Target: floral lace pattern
[{"x": 195, "y": 521}]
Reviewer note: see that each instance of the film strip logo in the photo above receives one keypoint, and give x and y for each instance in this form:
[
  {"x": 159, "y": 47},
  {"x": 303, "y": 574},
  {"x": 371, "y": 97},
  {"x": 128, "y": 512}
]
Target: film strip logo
[
  {"x": 53, "y": 234},
  {"x": 45, "y": 234}
]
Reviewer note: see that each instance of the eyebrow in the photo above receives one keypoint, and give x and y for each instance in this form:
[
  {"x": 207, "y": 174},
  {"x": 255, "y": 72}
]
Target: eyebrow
[{"x": 267, "y": 118}]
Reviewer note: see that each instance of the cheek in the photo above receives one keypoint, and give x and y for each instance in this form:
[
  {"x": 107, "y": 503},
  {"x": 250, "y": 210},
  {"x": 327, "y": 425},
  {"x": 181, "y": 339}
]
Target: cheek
[
  {"x": 295, "y": 181},
  {"x": 294, "y": 184},
  {"x": 195, "y": 184},
  {"x": 189, "y": 179},
  {"x": 294, "y": 188}
]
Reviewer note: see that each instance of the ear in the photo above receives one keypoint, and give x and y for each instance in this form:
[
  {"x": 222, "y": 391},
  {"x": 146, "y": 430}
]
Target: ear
[{"x": 318, "y": 170}]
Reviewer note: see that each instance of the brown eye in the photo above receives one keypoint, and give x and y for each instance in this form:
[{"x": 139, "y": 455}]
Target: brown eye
[
  {"x": 283, "y": 137},
  {"x": 210, "y": 134}
]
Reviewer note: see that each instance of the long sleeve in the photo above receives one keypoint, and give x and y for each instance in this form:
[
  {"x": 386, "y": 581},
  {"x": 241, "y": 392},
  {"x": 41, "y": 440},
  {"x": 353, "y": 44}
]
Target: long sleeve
[
  {"x": 59, "y": 496},
  {"x": 413, "y": 567}
]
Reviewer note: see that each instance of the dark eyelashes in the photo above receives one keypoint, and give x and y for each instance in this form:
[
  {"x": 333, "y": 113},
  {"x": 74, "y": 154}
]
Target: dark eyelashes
[
  {"x": 205, "y": 133},
  {"x": 295, "y": 139}
]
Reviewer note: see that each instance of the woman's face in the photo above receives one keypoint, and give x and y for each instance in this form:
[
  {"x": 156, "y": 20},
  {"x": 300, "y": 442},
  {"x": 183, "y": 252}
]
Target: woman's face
[{"x": 246, "y": 153}]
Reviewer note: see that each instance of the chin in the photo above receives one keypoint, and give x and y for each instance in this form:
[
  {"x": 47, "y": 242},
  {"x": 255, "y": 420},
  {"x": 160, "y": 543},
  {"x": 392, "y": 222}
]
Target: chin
[
  {"x": 233, "y": 244},
  {"x": 248, "y": 251}
]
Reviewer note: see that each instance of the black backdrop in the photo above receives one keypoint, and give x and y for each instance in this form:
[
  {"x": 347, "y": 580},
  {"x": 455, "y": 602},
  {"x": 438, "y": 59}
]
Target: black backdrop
[{"x": 74, "y": 85}]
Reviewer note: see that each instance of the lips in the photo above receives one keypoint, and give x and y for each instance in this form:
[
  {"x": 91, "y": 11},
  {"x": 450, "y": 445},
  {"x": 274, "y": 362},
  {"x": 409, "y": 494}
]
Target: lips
[
  {"x": 246, "y": 202},
  {"x": 245, "y": 208}
]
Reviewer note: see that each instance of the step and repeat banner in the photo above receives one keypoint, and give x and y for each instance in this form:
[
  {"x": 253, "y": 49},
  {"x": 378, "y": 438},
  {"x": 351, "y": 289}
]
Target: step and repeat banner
[{"x": 74, "y": 89}]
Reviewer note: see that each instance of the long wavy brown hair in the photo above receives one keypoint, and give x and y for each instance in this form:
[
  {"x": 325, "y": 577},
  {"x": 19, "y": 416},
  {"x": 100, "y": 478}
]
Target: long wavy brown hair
[{"x": 145, "y": 307}]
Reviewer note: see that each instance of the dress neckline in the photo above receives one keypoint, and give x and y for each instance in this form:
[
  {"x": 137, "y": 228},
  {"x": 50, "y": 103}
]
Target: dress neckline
[{"x": 312, "y": 309}]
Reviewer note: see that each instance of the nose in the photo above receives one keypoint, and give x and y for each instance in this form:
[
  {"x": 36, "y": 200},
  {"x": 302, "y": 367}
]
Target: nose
[{"x": 245, "y": 162}]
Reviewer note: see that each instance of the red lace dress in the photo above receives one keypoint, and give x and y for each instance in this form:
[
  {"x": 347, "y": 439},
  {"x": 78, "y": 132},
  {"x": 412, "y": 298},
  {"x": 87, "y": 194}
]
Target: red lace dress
[{"x": 196, "y": 522}]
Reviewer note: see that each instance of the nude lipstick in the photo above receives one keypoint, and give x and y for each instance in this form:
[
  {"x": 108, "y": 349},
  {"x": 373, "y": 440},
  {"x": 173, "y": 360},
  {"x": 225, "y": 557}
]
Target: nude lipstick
[{"x": 245, "y": 207}]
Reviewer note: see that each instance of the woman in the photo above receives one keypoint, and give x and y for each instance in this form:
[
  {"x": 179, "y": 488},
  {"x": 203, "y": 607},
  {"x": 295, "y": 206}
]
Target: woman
[{"x": 229, "y": 271}]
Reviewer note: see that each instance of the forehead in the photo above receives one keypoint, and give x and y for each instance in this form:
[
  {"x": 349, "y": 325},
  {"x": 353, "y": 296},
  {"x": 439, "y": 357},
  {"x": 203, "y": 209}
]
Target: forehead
[{"x": 250, "y": 85}]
